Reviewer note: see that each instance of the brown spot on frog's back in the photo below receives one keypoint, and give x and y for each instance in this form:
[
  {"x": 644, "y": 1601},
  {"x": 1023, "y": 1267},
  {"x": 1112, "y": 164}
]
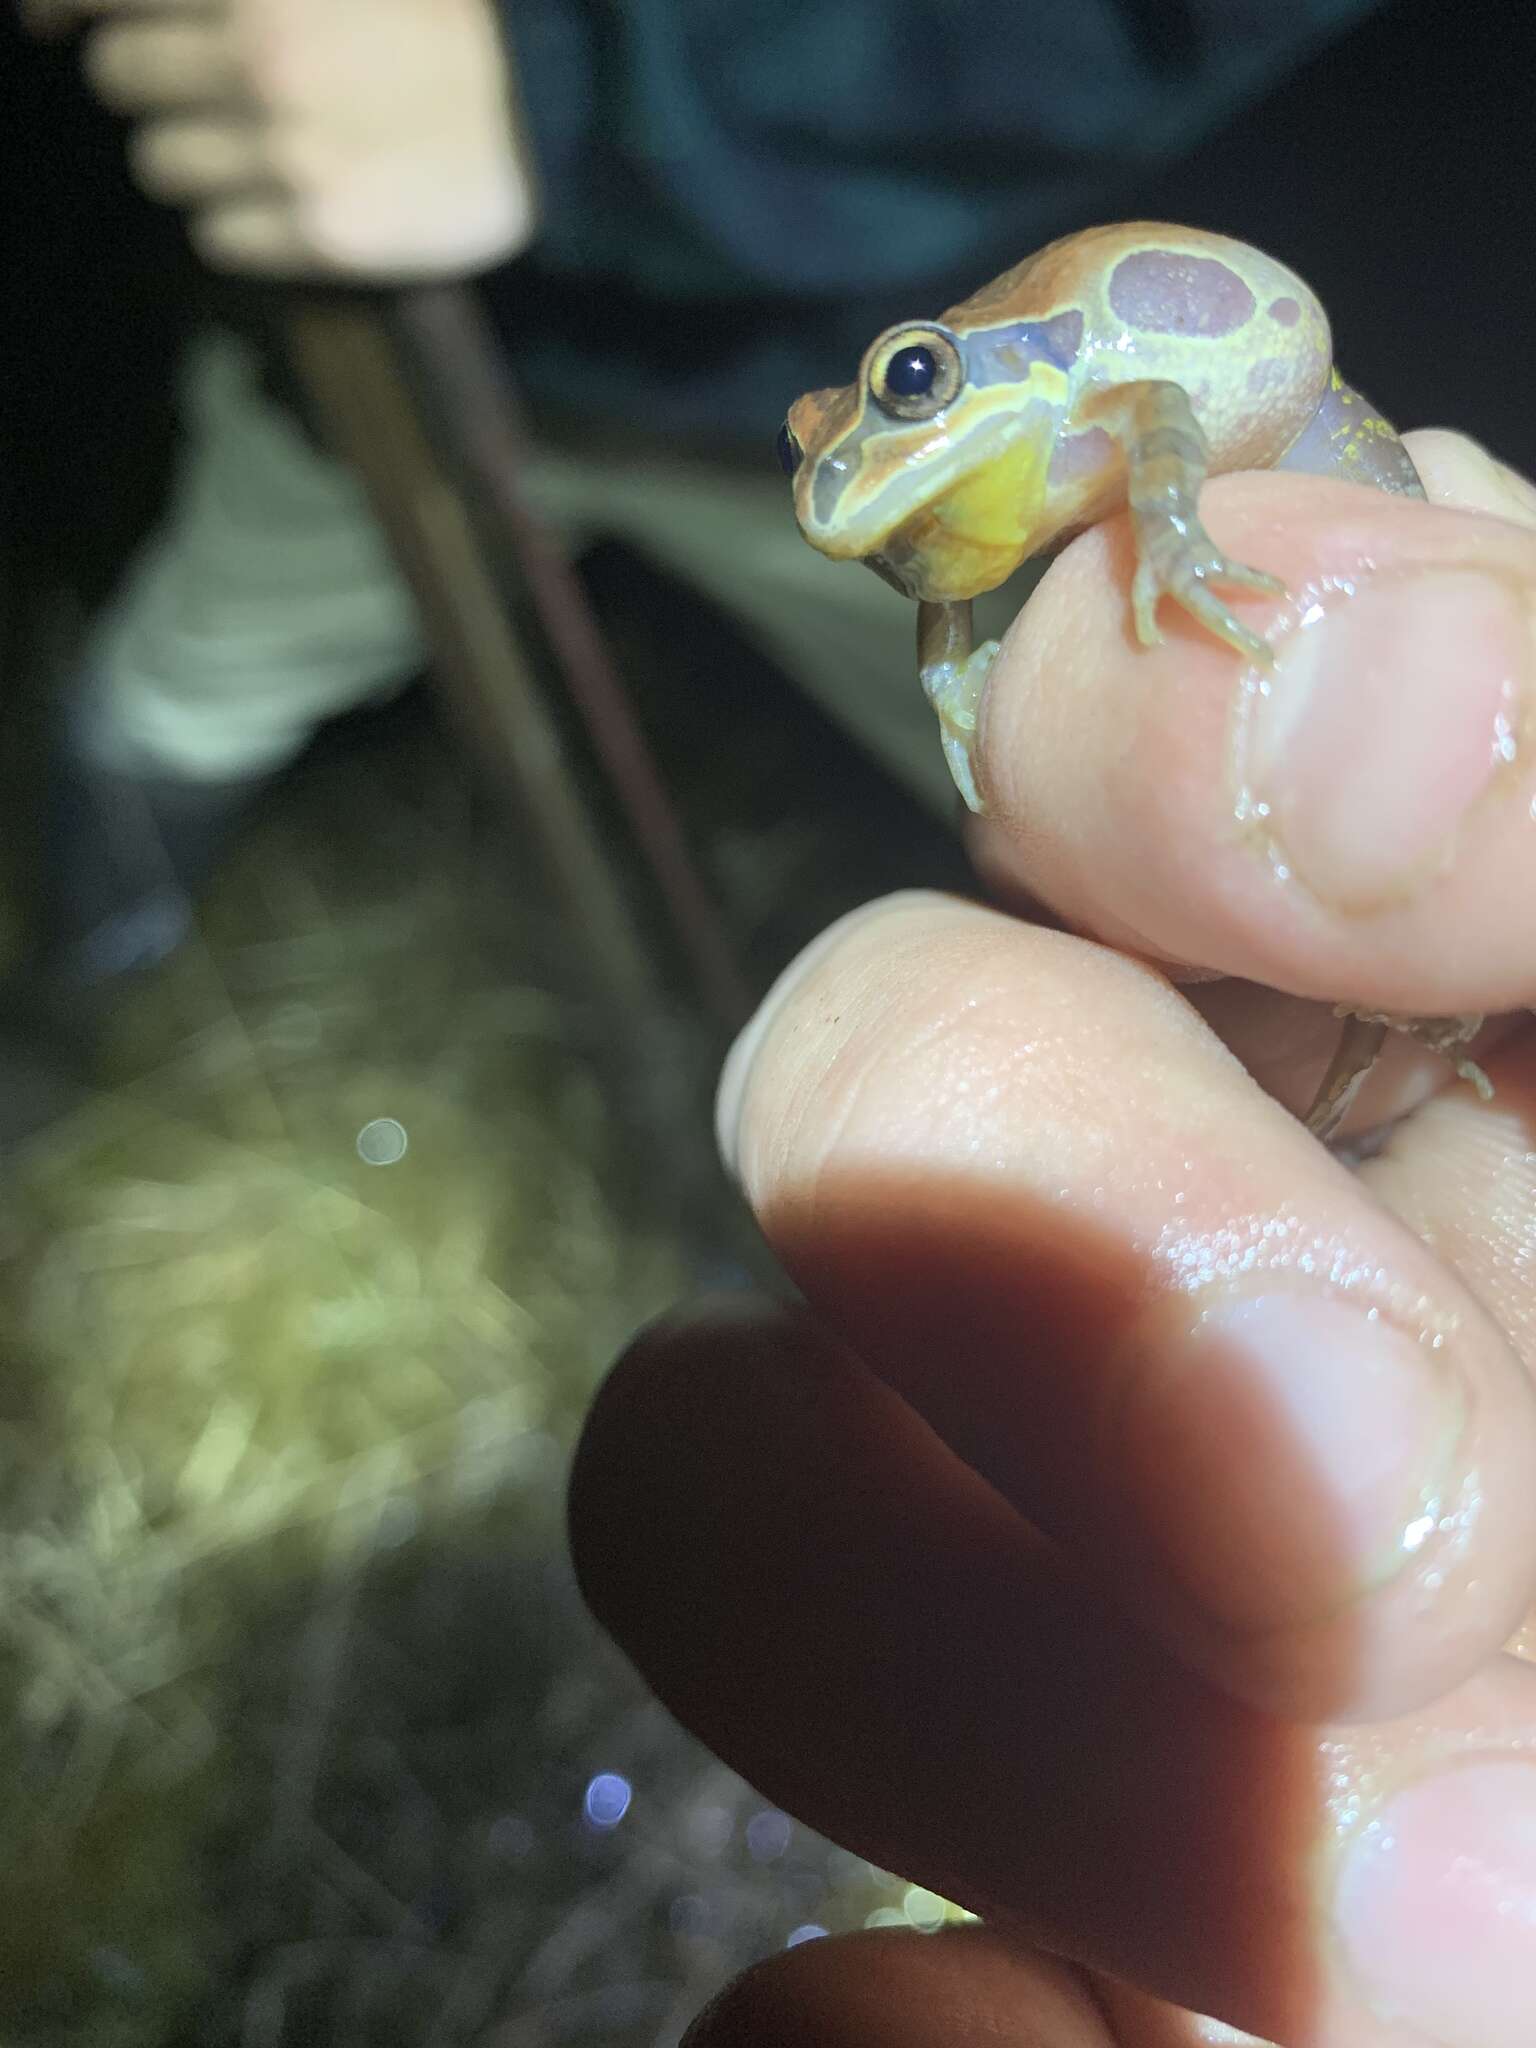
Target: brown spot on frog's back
[
  {"x": 1167, "y": 291},
  {"x": 1286, "y": 311},
  {"x": 1064, "y": 337}
]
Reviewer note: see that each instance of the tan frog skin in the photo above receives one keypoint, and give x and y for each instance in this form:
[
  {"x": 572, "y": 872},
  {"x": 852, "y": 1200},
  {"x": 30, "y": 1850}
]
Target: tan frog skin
[{"x": 1120, "y": 366}]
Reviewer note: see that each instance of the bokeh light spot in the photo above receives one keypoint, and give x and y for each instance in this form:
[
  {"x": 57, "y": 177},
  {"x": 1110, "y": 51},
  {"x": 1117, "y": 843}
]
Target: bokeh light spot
[
  {"x": 382, "y": 1142},
  {"x": 922, "y": 1909},
  {"x": 606, "y": 1800},
  {"x": 768, "y": 1835}
]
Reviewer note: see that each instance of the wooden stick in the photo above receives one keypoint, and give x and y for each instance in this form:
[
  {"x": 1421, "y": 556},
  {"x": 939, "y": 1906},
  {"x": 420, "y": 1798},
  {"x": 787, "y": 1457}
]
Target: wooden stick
[
  {"x": 462, "y": 377},
  {"x": 419, "y": 403}
]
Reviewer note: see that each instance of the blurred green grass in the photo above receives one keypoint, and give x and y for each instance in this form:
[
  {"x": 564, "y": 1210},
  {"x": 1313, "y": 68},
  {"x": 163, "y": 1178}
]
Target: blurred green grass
[{"x": 300, "y": 1703}]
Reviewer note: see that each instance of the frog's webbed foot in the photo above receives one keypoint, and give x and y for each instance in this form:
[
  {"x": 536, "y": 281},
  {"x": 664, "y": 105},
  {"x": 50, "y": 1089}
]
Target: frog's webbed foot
[
  {"x": 1362, "y": 1038},
  {"x": 954, "y": 690},
  {"x": 1185, "y": 569},
  {"x": 1166, "y": 460},
  {"x": 1448, "y": 1036},
  {"x": 954, "y": 674}
]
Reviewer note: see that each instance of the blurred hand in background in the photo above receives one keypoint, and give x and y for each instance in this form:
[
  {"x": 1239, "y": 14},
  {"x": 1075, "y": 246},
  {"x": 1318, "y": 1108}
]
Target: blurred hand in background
[{"x": 362, "y": 139}]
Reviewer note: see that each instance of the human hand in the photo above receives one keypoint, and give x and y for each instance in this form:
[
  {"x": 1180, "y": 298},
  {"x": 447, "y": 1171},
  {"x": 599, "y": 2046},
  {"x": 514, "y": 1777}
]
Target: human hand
[
  {"x": 1129, "y": 1539},
  {"x": 358, "y": 139}
]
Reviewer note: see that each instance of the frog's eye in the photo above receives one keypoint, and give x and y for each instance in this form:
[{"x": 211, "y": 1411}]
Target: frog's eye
[
  {"x": 914, "y": 372},
  {"x": 910, "y": 372},
  {"x": 791, "y": 454}
]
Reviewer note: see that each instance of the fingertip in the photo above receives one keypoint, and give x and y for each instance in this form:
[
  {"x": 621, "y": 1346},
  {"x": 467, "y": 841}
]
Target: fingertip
[
  {"x": 961, "y": 1988},
  {"x": 1020, "y": 1180},
  {"x": 259, "y": 236},
  {"x": 1317, "y": 829},
  {"x": 1462, "y": 474},
  {"x": 847, "y": 931}
]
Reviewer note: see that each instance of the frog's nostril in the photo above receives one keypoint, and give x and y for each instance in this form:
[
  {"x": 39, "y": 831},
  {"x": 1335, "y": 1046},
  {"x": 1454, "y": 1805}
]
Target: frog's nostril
[{"x": 791, "y": 454}]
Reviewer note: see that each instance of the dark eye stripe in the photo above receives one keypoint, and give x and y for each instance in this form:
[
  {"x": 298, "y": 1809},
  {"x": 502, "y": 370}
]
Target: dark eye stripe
[{"x": 791, "y": 454}]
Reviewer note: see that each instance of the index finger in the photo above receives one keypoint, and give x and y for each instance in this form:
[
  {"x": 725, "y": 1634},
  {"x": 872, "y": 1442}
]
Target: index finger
[
  {"x": 1348, "y": 828},
  {"x": 1020, "y": 1178}
]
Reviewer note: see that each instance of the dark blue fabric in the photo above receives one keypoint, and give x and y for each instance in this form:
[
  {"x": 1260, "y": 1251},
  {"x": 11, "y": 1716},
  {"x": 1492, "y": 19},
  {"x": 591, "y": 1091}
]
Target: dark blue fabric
[{"x": 735, "y": 189}]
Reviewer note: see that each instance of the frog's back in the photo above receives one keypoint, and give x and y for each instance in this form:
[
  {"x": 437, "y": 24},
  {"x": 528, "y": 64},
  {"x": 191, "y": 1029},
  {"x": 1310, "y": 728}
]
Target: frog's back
[{"x": 1240, "y": 332}]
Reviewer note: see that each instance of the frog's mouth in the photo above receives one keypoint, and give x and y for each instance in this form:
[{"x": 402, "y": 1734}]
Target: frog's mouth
[
  {"x": 865, "y": 491},
  {"x": 929, "y": 511}
]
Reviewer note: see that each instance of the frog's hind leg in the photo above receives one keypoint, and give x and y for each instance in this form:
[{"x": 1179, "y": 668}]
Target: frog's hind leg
[
  {"x": 954, "y": 674},
  {"x": 1361, "y": 1041},
  {"x": 1167, "y": 462},
  {"x": 1354, "y": 1056}
]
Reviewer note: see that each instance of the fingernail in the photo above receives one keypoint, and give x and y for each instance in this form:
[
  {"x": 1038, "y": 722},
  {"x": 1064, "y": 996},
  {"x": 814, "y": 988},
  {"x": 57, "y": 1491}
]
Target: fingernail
[
  {"x": 1390, "y": 711},
  {"x": 1289, "y": 1454},
  {"x": 1436, "y": 1903}
]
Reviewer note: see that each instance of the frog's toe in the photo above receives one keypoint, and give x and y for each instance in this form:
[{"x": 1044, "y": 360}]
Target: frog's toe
[
  {"x": 954, "y": 689},
  {"x": 1204, "y": 605},
  {"x": 1191, "y": 582},
  {"x": 1450, "y": 1037},
  {"x": 957, "y": 754},
  {"x": 1447, "y": 1036},
  {"x": 1146, "y": 590},
  {"x": 1245, "y": 578}
]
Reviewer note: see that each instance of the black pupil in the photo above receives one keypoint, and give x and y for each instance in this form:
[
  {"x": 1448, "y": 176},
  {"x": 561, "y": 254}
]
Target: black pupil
[
  {"x": 790, "y": 451},
  {"x": 910, "y": 372}
]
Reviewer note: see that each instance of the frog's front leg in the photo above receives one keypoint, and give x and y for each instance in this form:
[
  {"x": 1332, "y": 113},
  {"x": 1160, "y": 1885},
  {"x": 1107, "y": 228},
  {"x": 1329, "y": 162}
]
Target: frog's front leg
[
  {"x": 1167, "y": 461},
  {"x": 954, "y": 673}
]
